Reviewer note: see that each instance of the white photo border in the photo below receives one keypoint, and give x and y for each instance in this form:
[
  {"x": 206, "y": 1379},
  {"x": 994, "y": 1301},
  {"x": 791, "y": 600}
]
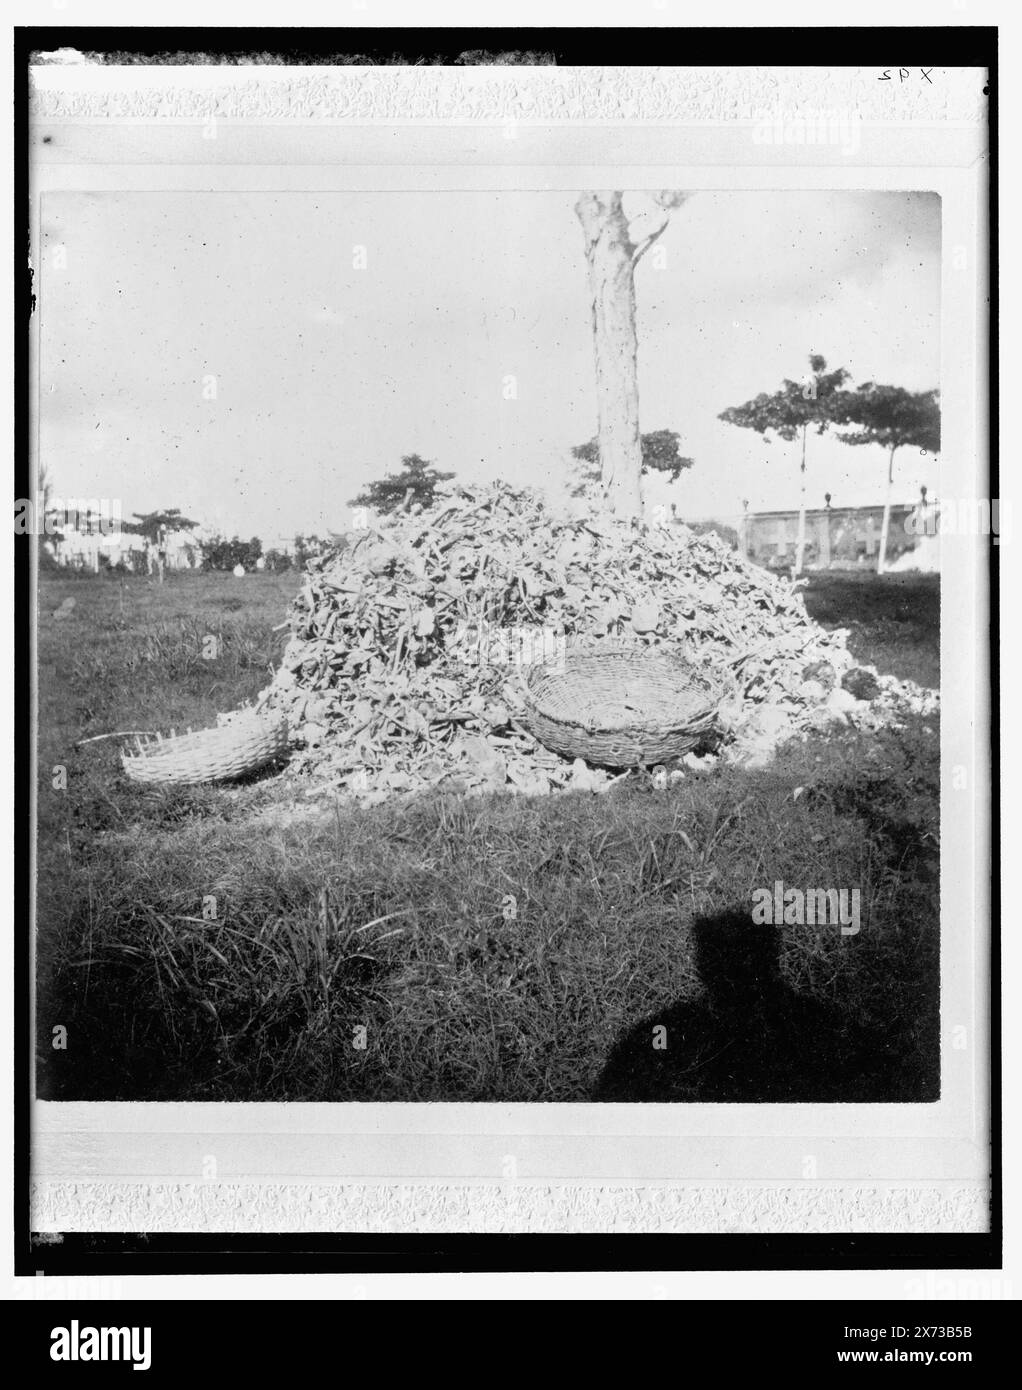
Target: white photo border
[{"x": 609, "y": 1168}]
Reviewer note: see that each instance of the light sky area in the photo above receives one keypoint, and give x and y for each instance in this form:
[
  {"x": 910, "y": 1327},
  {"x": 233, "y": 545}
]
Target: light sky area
[{"x": 327, "y": 373}]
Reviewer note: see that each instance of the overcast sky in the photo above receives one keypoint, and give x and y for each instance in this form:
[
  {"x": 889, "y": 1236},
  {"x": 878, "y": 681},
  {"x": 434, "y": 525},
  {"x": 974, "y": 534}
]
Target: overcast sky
[{"x": 326, "y": 373}]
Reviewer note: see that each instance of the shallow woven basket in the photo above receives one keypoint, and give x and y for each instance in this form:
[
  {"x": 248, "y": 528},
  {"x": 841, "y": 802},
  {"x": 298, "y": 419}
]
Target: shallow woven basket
[
  {"x": 211, "y": 755},
  {"x": 621, "y": 705}
]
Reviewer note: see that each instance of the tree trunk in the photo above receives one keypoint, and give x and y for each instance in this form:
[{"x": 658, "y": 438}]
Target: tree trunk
[
  {"x": 800, "y": 544},
  {"x": 610, "y": 256},
  {"x": 825, "y": 541},
  {"x": 886, "y": 524}
]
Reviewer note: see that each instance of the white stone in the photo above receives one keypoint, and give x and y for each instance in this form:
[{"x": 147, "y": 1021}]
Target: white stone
[
  {"x": 812, "y": 692},
  {"x": 842, "y": 701}
]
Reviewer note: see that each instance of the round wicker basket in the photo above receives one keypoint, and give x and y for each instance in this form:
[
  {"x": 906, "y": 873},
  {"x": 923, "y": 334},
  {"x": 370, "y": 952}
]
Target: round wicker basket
[
  {"x": 243, "y": 745},
  {"x": 621, "y": 704}
]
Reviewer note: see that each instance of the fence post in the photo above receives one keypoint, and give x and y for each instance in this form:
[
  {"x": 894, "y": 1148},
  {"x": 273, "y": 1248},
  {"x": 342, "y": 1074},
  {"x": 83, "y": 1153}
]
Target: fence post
[
  {"x": 743, "y": 529},
  {"x": 825, "y": 536}
]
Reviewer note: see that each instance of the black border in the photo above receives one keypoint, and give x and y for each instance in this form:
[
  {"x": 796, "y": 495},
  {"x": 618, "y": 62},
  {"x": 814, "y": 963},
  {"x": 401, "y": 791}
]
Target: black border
[
  {"x": 125, "y": 1254},
  {"x": 837, "y": 46}
]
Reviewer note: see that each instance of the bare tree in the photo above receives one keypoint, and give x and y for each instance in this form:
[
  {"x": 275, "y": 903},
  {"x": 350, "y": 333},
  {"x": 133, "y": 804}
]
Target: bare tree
[
  {"x": 44, "y": 492},
  {"x": 614, "y": 244}
]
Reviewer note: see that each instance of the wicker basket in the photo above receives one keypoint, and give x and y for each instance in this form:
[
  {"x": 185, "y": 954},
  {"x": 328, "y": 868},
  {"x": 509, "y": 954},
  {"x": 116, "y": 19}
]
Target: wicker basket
[
  {"x": 621, "y": 704},
  {"x": 247, "y": 742}
]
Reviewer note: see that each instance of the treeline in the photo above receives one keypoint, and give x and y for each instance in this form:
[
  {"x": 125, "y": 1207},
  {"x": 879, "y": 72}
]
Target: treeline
[{"x": 221, "y": 553}]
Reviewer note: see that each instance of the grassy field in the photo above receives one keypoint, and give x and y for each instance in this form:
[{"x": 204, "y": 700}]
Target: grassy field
[
  {"x": 467, "y": 949},
  {"x": 893, "y": 622}
]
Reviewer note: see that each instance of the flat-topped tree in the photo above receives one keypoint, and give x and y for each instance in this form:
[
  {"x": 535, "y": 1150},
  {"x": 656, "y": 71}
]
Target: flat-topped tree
[
  {"x": 790, "y": 413},
  {"x": 614, "y": 245},
  {"x": 155, "y": 525},
  {"x": 893, "y": 418},
  {"x": 416, "y": 483}
]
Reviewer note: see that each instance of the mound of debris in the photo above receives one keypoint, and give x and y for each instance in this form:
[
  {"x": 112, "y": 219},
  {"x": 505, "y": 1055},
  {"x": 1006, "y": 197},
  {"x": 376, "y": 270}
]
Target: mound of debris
[{"x": 403, "y": 669}]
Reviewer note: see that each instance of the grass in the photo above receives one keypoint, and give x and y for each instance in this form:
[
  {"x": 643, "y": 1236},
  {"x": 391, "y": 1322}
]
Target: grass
[
  {"x": 249, "y": 943},
  {"x": 893, "y": 621}
]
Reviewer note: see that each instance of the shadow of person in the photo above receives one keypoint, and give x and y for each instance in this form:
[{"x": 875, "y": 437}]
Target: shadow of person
[{"x": 750, "y": 1037}]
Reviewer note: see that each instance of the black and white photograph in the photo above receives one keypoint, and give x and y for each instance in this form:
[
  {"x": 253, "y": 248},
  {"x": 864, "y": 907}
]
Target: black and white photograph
[
  {"x": 524, "y": 762},
  {"x": 508, "y": 636}
]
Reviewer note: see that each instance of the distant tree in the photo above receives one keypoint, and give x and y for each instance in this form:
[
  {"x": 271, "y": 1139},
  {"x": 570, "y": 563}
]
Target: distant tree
[
  {"x": 152, "y": 524},
  {"x": 417, "y": 482},
  {"x": 728, "y": 534},
  {"x": 660, "y": 453},
  {"x": 155, "y": 526},
  {"x": 307, "y": 547},
  {"x": 893, "y": 418},
  {"x": 790, "y": 413},
  {"x": 278, "y": 560},
  {"x": 44, "y": 491},
  {"x": 219, "y": 553}
]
